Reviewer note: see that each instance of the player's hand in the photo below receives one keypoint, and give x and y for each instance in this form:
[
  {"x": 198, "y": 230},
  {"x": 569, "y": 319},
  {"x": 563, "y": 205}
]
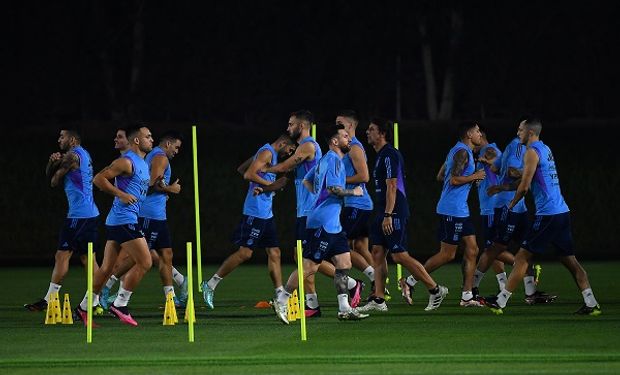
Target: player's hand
[
  {"x": 479, "y": 174},
  {"x": 128, "y": 198},
  {"x": 55, "y": 156},
  {"x": 387, "y": 226},
  {"x": 492, "y": 190},
  {"x": 257, "y": 191},
  {"x": 175, "y": 187},
  {"x": 358, "y": 191}
]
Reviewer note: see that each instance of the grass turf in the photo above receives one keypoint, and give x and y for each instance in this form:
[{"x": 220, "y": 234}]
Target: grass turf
[{"x": 238, "y": 338}]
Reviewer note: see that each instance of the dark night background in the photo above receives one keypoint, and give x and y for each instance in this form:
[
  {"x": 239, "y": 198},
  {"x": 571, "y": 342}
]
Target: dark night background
[{"x": 236, "y": 70}]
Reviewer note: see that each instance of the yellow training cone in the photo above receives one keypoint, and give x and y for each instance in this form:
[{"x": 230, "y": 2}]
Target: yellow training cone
[
  {"x": 50, "y": 317},
  {"x": 169, "y": 311},
  {"x": 189, "y": 311},
  {"x": 67, "y": 315},
  {"x": 56, "y": 306}
]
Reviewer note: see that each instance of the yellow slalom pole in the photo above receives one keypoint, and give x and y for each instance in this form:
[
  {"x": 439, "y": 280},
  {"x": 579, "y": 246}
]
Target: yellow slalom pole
[
  {"x": 197, "y": 208},
  {"x": 89, "y": 280},
  {"x": 314, "y": 131},
  {"x": 399, "y": 269},
  {"x": 302, "y": 295},
  {"x": 190, "y": 294}
]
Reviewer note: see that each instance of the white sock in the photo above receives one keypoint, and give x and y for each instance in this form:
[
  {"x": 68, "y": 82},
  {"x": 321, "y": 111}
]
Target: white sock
[
  {"x": 111, "y": 281},
  {"x": 213, "y": 281},
  {"x": 283, "y": 297},
  {"x": 530, "y": 285},
  {"x": 54, "y": 288},
  {"x": 351, "y": 283},
  {"x": 502, "y": 298},
  {"x": 588, "y": 297},
  {"x": 467, "y": 295},
  {"x": 370, "y": 273},
  {"x": 122, "y": 298},
  {"x": 84, "y": 303},
  {"x": 343, "y": 303},
  {"x": 169, "y": 289},
  {"x": 177, "y": 276},
  {"x": 122, "y": 283},
  {"x": 478, "y": 278},
  {"x": 411, "y": 281},
  {"x": 501, "y": 280},
  {"x": 279, "y": 290},
  {"x": 312, "y": 301}
]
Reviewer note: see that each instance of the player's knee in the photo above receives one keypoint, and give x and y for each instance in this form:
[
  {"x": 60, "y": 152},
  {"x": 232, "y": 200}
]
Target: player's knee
[
  {"x": 274, "y": 255},
  {"x": 62, "y": 256},
  {"x": 244, "y": 254},
  {"x": 165, "y": 257}
]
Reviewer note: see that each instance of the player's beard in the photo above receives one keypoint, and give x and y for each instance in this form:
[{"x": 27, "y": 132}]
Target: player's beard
[
  {"x": 345, "y": 149},
  {"x": 295, "y": 134}
]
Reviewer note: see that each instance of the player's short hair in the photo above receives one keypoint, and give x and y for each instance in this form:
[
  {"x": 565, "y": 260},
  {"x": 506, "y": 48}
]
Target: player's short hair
[
  {"x": 464, "y": 126},
  {"x": 134, "y": 129},
  {"x": 386, "y": 127},
  {"x": 304, "y": 115},
  {"x": 332, "y": 132},
  {"x": 285, "y": 138},
  {"x": 122, "y": 129},
  {"x": 171, "y": 135},
  {"x": 72, "y": 132},
  {"x": 533, "y": 124},
  {"x": 350, "y": 114}
]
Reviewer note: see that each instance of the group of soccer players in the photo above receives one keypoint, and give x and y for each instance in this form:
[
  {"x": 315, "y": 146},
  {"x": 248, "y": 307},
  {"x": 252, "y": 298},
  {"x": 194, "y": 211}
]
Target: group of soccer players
[
  {"x": 136, "y": 226},
  {"x": 338, "y": 223}
]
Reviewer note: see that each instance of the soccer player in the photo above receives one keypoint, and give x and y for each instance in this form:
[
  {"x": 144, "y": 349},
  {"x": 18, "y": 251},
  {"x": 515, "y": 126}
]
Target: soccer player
[
  {"x": 306, "y": 156},
  {"x": 551, "y": 224},
  {"x": 357, "y": 210},
  {"x": 121, "y": 143},
  {"x": 257, "y": 227},
  {"x": 388, "y": 231},
  {"x": 73, "y": 167},
  {"x": 455, "y": 224},
  {"x": 507, "y": 226},
  {"x": 132, "y": 179},
  {"x": 152, "y": 217},
  {"x": 325, "y": 238}
]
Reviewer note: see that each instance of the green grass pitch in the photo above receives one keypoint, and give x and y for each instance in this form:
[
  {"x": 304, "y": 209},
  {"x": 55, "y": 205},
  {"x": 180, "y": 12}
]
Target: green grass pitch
[{"x": 238, "y": 338}]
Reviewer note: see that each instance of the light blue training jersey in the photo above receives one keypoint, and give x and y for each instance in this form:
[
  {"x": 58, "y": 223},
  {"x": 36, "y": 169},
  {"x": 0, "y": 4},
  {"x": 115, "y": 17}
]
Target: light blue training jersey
[
  {"x": 453, "y": 200},
  {"x": 305, "y": 199},
  {"x": 326, "y": 212},
  {"x": 511, "y": 158},
  {"x": 260, "y": 206},
  {"x": 78, "y": 185},
  {"x": 154, "y": 205},
  {"x": 487, "y": 202},
  {"x": 364, "y": 202},
  {"x": 546, "y": 183},
  {"x": 137, "y": 185}
]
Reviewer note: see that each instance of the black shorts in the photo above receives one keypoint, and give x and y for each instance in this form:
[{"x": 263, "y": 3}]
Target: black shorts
[
  {"x": 253, "y": 232},
  {"x": 510, "y": 226},
  {"x": 452, "y": 229},
  {"x": 123, "y": 233},
  {"x": 322, "y": 245},
  {"x": 396, "y": 242},
  {"x": 77, "y": 233},
  {"x": 354, "y": 222},
  {"x": 550, "y": 229},
  {"x": 156, "y": 233}
]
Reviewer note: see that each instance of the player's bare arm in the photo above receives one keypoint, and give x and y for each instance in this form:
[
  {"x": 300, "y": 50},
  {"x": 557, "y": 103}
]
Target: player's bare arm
[
  {"x": 119, "y": 167},
  {"x": 489, "y": 157},
  {"x": 69, "y": 162},
  {"x": 53, "y": 163},
  {"x": 530, "y": 163},
  {"x": 159, "y": 164},
  {"x": 339, "y": 191},
  {"x": 260, "y": 162},
  {"x": 390, "y": 201},
  {"x": 492, "y": 190},
  {"x": 244, "y": 166},
  {"x": 302, "y": 153},
  {"x": 461, "y": 158},
  {"x": 515, "y": 172},
  {"x": 441, "y": 173},
  {"x": 359, "y": 164}
]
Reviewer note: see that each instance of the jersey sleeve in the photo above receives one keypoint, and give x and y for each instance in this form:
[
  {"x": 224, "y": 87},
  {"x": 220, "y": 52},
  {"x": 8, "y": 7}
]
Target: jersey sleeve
[
  {"x": 335, "y": 173},
  {"x": 391, "y": 163}
]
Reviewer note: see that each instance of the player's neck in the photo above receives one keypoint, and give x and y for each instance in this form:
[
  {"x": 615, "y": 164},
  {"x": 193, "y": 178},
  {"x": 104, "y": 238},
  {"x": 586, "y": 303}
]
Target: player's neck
[
  {"x": 337, "y": 150},
  {"x": 468, "y": 142},
  {"x": 532, "y": 140},
  {"x": 304, "y": 134},
  {"x": 378, "y": 146}
]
